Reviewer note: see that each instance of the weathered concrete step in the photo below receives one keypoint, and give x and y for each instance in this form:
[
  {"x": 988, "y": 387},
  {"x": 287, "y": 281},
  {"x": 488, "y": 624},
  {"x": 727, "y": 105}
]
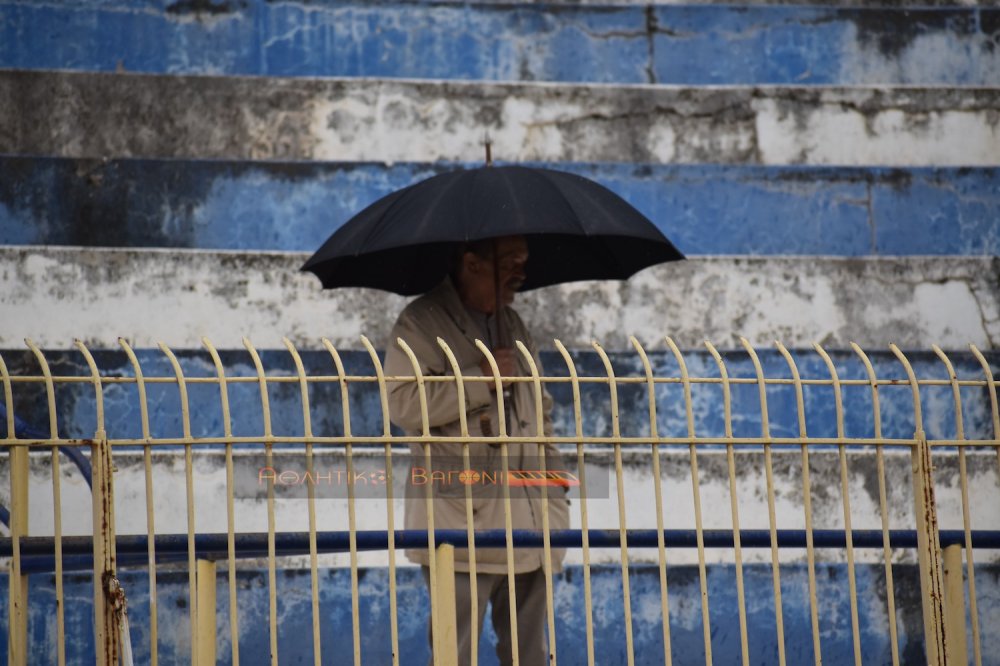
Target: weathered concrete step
[
  {"x": 54, "y": 295},
  {"x": 295, "y": 644},
  {"x": 615, "y": 43},
  {"x": 295, "y": 206},
  {"x": 129, "y": 115}
]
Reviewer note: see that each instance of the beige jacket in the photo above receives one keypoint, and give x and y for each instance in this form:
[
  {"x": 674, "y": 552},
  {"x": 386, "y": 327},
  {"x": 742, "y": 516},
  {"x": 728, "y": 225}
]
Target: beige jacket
[{"x": 440, "y": 313}]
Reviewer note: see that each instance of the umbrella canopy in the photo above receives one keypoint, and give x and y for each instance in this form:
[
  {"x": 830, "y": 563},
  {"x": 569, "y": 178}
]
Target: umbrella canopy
[{"x": 576, "y": 229}]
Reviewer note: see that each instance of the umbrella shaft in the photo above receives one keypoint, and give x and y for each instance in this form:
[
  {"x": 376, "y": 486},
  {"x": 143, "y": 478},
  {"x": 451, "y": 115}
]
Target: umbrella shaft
[{"x": 501, "y": 339}]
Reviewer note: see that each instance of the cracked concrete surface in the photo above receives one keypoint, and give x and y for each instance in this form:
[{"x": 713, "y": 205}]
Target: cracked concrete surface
[
  {"x": 54, "y": 295},
  {"x": 130, "y": 115},
  {"x": 628, "y": 42}
]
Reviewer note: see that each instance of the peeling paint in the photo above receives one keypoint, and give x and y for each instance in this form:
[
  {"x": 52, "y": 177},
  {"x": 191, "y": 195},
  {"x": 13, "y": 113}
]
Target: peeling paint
[
  {"x": 54, "y": 295},
  {"x": 93, "y": 115},
  {"x": 852, "y": 42},
  {"x": 295, "y": 614},
  {"x": 210, "y": 488},
  {"x": 295, "y": 205}
]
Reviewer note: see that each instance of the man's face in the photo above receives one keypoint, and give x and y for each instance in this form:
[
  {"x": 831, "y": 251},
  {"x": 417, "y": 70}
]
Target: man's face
[{"x": 512, "y": 256}]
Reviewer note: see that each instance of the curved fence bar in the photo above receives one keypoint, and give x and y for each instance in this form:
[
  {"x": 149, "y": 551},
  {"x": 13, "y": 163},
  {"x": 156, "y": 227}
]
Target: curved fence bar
[
  {"x": 95, "y": 379},
  {"x": 734, "y": 502},
  {"x": 8, "y": 399},
  {"x": 963, "y": 471},
  {"x": 498, "y": 389},
  {"x": 696, "y": 492},
  {"x": 925, "y": 509},
  {"x": 547, "y": 547},
  {"x": 658, "y": 498},
  {"x": 771, "y": 516},
  {"x": 147, "y": 457},
  {"x": 189, "y": 489},
  {"x": 831, "y": 492},
  {"x": 345, "y": 406},
  {"x": 311, "y": 491},
  {"x": 620, "y": 490},
  {"x": 800, "y": 413},
  {"x": 50, "y": 395},
  {"x": 425, "y": 424},
  {"x": 227, "y": 425},
  {"x": 991, "y": 387},
  {"x": 469, "y": 514},
  {"x": 110, "y": 627},
  {"x": 581, "y": 471},
  {"x": 846, "y": 498},
  {"x": 272, "y": 526},
  {"x": 389, "y": 510},
  {"x": 883, "y": 503},
  {"x": 17, "y": 522}
]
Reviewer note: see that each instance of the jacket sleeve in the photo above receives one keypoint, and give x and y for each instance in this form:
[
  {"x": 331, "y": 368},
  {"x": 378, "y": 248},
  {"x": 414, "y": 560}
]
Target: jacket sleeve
[{"x": 442, "y": 397}]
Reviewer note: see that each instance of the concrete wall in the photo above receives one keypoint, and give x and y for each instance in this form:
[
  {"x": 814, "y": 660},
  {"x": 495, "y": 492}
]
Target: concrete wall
[
  {"x": 705, "y": 209},
  {"x": 152, "y": 296},
  {"x": 685, "y": 618},
  {"x": 170, "y": 507},
  {"x": 598, "y": 42},
  {"x": 94, "y": 115}
]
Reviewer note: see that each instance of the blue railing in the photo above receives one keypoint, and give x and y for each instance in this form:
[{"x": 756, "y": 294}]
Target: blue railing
[{"x": 38, "y": 552}]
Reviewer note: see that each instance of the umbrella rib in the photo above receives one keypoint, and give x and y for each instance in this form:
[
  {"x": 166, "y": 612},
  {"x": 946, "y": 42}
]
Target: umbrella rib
[
  {"x": 377, "y": 228},
  {"x": 583, "y": 193},
  {"x": 430, "y": 209},
  {"x": 403, "y": 198},
  {"x": 577, "y": 218},
  {"x": 513, "y": 198}
]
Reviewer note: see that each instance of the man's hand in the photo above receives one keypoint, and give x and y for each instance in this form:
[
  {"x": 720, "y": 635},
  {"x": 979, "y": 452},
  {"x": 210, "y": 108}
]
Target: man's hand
[{"x": 506, "y": 359}]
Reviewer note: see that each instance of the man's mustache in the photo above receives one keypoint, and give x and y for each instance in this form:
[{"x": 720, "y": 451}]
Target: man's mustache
[{"x": 514, "y": 285}]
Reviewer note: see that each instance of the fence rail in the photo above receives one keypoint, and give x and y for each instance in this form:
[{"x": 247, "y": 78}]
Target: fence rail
[{"x": 647, "y": 424}]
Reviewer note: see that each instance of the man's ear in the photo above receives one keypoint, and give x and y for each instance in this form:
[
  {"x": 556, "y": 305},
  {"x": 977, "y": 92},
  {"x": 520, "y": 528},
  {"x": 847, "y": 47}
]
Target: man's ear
[{"x": 471, "y": 262}]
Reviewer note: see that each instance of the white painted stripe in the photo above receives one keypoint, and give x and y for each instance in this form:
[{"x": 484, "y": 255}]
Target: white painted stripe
[
  {"x": 115, "y": 115},
  {"x": 56, "y": 294},
  {"x": 210, "y": 484}
]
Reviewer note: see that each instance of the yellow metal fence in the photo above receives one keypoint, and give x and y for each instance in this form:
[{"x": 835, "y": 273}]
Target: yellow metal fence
[{"x": 943, "y": 588}]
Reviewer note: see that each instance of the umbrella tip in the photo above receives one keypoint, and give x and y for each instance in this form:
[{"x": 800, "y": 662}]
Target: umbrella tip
[{"x": 488, "y": 144}]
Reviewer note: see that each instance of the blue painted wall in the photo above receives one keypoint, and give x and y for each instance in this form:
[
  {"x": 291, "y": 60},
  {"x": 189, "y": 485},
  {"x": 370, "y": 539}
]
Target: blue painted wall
[
  {"x": 704, "y": 209},
  {"x": 685, "y": 44},
  {"x": 295, "y": 613},
  {"x": 295, "y": 627},
  {"x": 76, "y": 402}
]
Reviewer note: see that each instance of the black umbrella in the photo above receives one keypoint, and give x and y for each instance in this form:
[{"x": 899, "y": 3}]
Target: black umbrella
[{"x": 576, "y": 229}]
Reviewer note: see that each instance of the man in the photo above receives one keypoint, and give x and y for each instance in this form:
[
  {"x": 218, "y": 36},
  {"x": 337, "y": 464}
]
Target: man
[{"x": 460, "y": 310}]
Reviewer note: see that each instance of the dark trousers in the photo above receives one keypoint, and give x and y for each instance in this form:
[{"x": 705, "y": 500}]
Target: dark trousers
[{"x": 529, "y": 589}]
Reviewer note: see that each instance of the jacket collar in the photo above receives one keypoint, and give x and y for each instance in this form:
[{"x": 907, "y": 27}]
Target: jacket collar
[{"x": 446, "y": 296}]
